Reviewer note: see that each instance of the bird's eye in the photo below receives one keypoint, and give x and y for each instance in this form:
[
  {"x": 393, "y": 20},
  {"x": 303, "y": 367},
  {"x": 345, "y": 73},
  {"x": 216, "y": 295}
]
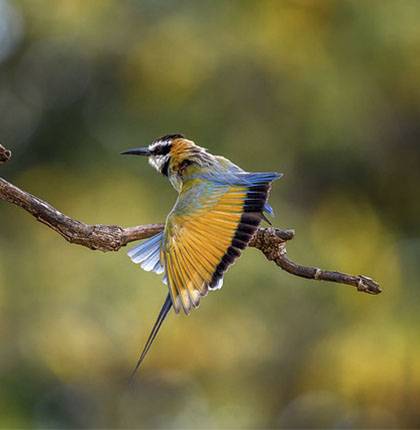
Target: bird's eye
[{"x": 161, "y": 149}]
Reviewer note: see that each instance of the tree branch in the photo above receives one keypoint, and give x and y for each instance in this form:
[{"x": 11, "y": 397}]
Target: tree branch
[{"x": 270, "y": 241}]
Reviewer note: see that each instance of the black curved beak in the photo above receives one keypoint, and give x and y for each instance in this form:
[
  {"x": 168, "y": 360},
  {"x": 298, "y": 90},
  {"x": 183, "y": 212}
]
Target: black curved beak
[{"x": 137, "y": 151}]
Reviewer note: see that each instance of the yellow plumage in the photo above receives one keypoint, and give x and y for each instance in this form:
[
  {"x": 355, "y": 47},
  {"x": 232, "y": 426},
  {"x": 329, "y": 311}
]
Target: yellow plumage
[{"x": 196, "y": 245}]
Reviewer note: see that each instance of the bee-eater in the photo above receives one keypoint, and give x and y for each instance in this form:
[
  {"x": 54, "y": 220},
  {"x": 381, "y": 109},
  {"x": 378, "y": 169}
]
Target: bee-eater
[{"x": 219, "y": 208}]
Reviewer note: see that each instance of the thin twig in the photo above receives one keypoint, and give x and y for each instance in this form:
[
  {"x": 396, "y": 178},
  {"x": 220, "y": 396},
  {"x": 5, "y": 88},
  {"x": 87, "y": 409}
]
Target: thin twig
[{"x": 270, "y": 241}]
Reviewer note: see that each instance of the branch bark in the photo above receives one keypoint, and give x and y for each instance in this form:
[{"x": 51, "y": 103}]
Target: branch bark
[{"x": 270, "y": 241}]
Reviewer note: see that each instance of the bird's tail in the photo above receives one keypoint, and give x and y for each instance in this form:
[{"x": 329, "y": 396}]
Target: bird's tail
[{"x": 161, "y": 317}]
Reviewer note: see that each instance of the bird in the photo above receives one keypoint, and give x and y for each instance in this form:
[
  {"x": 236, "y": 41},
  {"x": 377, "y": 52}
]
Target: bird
[{"x": 218, "y": 209}]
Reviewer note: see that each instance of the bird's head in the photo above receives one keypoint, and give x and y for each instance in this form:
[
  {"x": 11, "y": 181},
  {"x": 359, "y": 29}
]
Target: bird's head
[{"x": 173, "y": 155}]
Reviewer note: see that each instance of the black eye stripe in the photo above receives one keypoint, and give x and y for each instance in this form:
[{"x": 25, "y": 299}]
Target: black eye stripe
[
  {"x": 162, "y": 149},
  {"x": 165, "y": 168}
]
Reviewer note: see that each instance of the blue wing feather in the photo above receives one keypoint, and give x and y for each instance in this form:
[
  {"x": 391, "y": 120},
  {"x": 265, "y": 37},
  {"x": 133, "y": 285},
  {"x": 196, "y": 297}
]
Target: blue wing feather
[
  {"x": 268, "y": 209},
  {"x": 240, "y": 177},
  {"x": 147, "y": 254}
]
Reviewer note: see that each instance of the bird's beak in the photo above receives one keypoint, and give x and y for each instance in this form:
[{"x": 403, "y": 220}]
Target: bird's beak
[{"x": 137, "y": 151}]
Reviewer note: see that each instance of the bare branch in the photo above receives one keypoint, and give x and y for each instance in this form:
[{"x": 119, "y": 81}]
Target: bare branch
[
  {"x": 97, "y": 236},
  {"x": 270, "y": 241}
]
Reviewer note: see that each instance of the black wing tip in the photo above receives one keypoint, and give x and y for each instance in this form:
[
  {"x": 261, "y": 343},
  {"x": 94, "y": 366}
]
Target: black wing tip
[{"x": 250, "y": 220}]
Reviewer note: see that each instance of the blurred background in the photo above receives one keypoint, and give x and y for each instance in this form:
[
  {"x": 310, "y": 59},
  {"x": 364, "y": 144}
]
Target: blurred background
[{"x": 327, "y": 92}]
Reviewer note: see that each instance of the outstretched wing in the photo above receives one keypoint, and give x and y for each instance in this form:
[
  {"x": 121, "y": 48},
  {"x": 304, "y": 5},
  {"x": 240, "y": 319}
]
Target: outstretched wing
[{"x": 213, "y": 220}]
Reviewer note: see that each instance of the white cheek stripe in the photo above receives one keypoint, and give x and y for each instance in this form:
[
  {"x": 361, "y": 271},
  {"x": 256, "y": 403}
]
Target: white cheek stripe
[{"x": 158, "y": 161}]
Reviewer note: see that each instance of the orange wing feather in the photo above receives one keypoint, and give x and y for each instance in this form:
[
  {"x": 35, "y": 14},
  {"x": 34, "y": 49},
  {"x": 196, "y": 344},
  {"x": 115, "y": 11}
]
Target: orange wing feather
[{"x": 199, "y": 247}]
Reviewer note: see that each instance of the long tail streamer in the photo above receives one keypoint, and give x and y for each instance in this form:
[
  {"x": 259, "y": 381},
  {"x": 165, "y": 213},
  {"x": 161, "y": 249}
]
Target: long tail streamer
[{"x": 161, "y": 317}]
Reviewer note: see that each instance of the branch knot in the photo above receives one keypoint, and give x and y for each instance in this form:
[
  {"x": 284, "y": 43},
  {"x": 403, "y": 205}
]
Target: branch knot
[{"x": 5, "y": 154}]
